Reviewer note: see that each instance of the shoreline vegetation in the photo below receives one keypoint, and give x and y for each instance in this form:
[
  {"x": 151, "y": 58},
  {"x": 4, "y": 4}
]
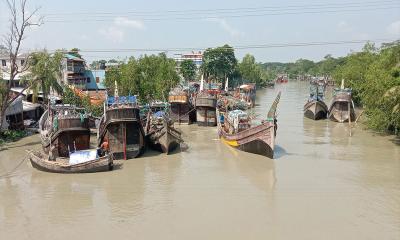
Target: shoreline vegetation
[{"x": 373, "y": 73}]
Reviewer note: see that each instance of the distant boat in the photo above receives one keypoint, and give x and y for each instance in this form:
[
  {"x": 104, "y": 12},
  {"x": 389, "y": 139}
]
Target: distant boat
[
  {"x": 234, "y": 129},
  {"x": 41, "y": 162},
  {"x": 121, "y": 126},
  {"x": 63, "y": 129},
  {"x": 315, "y": 108},
  {"x": 342, "y": 106}
]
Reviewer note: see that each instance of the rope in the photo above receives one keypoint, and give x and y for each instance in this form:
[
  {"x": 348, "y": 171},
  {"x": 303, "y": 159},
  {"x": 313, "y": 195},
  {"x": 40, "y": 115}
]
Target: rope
[{"x": 6, "y": 175}]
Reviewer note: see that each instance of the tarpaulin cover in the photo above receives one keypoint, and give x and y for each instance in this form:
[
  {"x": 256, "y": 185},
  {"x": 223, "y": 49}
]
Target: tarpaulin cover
[{"x": 82, "y": 156}]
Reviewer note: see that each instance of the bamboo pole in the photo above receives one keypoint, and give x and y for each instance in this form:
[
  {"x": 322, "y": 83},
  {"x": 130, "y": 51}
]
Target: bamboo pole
[{"x": 349, "y": 117}]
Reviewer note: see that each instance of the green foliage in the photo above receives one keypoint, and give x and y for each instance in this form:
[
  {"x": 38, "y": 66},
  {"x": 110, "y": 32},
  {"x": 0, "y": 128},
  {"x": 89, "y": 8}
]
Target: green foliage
[
  {"x": 188, "y": 69},
  {"x": 97, "y": 64},
  {"x": 252, "y": 72},
  {"x": 69, "y": 97},
  {"x": 149, "y": 77},
  {"x": 75, "y": 52},
  {"x": 11, "y": 135},
  {"x": 45, "y": 71},
  {"x": 219, "y": 63},
  {"x": 374, "y": 74}
]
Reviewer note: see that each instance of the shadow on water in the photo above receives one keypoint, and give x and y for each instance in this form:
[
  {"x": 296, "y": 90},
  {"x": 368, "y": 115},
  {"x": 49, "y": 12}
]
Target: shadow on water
[
  {"x": 396, "y": 140},
  {"x": 7, "y": 147},
  {"x": 280, "y": 152}
]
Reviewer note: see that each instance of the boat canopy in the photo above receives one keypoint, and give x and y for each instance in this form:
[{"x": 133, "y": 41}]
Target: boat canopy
[{"x": 121, "y": 100}]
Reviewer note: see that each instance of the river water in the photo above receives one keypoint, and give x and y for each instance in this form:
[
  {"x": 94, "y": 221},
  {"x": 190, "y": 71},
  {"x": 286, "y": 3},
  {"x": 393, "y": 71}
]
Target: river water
[{"x": 322, "y": 184}]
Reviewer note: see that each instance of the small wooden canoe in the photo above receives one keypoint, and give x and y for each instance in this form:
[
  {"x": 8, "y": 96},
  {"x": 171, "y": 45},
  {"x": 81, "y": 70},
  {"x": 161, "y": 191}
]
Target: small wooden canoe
[
  {"x": 315, "y": 110},
  {"x": 41, "y": 162}
]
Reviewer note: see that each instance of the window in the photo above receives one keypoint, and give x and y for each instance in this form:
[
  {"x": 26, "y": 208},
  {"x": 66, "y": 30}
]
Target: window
[
  {"x": 3, "y": 63},
  {"x": 22, "y": 62},
  {"x": 88, "y": 80},
  {"x": 97, "y": 79}
]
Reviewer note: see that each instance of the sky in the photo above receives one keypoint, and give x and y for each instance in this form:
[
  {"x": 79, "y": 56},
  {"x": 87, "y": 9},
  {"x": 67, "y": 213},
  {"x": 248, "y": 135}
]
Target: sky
[{"x": 166, "y": 25}]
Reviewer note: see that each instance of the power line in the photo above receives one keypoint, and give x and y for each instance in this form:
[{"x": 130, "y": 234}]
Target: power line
[
  {"x": 191, "y": 11},
  {"x": 238, "y": 47},
  {"x": 234, "y": 14}
]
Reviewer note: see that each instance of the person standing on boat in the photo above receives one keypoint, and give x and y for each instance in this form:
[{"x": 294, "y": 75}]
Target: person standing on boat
[{"x": 104, "y": 147}]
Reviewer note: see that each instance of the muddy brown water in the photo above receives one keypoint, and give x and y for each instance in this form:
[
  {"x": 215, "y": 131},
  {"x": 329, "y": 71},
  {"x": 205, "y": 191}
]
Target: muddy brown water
[{"x": 322, "y": 184}]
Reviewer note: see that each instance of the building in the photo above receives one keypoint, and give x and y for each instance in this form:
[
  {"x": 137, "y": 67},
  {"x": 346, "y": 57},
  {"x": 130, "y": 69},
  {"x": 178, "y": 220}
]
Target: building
[
  {"x": 14, "y": 118},
  {"x": 95, "y": 79},
  {"x": 73, "y": 71},
  {"x": 196, "y": 57},
  {"x": 5, "y": 67}
]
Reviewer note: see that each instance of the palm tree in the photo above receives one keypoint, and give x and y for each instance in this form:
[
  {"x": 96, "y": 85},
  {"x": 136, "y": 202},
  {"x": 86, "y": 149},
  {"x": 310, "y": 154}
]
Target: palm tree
[{"x": 45, "y": 71}]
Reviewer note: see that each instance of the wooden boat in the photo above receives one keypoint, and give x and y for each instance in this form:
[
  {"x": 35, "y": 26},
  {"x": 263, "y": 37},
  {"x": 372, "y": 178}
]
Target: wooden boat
[
  {"x": 248, "y": 94},
  {"x": 121, "y": 126},
  {"x": 206, "y": 104},
  {"x": 315, "y": 108},
  {"x": 281, "y": 79},
  {"x": 63, "y": 129},
  {"x": 342, "y": 106},
  {"x": 160, "y": 133},
  {"x": 182, "y": 110},
  {"x": 234, "y": 128},
  {"x": 41, "y": 162}
]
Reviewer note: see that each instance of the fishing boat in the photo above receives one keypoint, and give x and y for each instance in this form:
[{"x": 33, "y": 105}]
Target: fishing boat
[
  {"x": 247, "y": 93},
  {"x": 281, "y": 79},
  {"x": 342, "y": 106},
  {"x": 182, "y": 109},
  {"x": 86, "y": 161},
  {"x": 160, "y": 132},
  {"x": 315, "y": 108},
  {"x": 236, "y": 130},
  {"x": 62, "y": 129},
  {"x": 121, "y": 127}
]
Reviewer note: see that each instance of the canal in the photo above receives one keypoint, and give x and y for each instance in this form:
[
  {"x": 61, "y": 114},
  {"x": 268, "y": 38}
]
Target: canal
[{"x": 322, "y": 184}]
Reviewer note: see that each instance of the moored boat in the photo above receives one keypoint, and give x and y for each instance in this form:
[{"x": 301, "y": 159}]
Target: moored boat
[
  {"x": 63, "y": 129},
  {"x": 92, "y": 163},
  {"x": 315, "y": 108},
  {"x": 248, "y": 94},
  {"x": 182, "y": 110},
  {"x": 342, "y": 106},
  {"x": 121, "y": 127},
  {"x": 235, "y": 129},
  {"x": 161, "y": 134},
  {"x": 206, "y": 104}
]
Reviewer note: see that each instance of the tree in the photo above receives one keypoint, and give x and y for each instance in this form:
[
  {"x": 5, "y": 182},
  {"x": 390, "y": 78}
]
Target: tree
[
  {"x": 75, "y": 52},
  {"x": 45, "y": 72},
  {"x": 188, "y": 69},
  {"x": 151, "y": 77},
  {"x": 219, "y": 63},
  {"x": 20, "y": 21}
]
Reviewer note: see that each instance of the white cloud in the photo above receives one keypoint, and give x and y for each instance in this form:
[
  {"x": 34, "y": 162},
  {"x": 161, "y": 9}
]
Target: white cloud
[
  {"x": 344, "y": 27},
  {"x": 112, "y": 33},
  {"x": 394, "y": 28},
  {"x": 125, "y": 22},
  {"x": 117, "y": 31},
  {"x": 226, "y": 27}
]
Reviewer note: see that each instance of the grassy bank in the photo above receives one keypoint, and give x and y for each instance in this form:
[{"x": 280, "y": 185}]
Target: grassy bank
[{"x": 12, "y": 135}]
